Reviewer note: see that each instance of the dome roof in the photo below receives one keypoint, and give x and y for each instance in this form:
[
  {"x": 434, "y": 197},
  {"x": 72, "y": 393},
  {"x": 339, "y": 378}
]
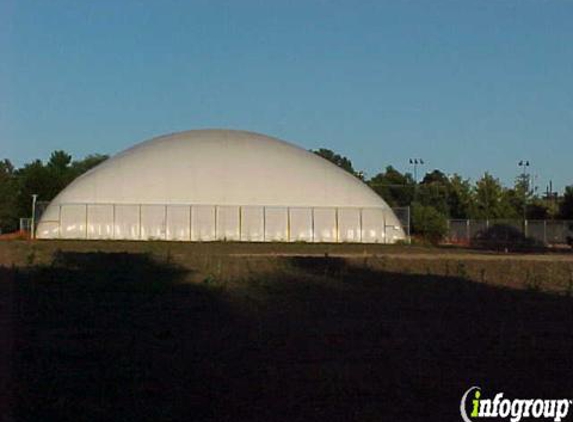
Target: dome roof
[
  {"x": 208, "y": 185},
  {"x": 222, "y": 167}
]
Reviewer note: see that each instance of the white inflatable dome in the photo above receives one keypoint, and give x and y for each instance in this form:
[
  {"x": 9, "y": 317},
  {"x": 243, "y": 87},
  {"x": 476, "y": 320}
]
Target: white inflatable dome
[{"x": 204, "y": 185}]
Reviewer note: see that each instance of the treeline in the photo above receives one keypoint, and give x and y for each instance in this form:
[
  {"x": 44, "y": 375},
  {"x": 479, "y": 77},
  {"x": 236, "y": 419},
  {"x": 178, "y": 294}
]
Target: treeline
[
  {"x": 439, "y": 197},
  {"x": 433, "y": 200},
  {"x": 17, "y": 185}
]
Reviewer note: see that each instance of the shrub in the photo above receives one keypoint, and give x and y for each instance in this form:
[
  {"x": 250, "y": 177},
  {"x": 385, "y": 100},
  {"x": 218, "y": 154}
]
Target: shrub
[
  {"x": 429, "y": 223},
  {"x": 504, "y": 237}
]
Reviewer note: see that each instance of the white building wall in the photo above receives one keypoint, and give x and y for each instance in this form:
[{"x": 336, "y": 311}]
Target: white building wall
[{"x": 227, "y": 223}]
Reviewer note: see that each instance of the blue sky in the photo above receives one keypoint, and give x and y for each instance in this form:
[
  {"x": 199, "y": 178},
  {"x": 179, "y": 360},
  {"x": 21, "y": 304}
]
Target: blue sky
[{"x": 470, "y": 86}]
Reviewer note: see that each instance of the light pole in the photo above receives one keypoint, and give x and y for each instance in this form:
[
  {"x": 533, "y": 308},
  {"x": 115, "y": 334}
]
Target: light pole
[
  {"x": 524, "y": 164},
  {"x": 415, "y": 162},
  {"x": 33, "y": 226}
]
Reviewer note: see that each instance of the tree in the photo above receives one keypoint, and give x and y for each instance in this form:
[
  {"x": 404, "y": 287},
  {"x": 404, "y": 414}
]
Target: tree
[
  {"x": 519, "y": 198},
  {"x": 433, "y": 191},
  {"x": 60, "y": 161},
  {"x": 460, "y": 197},
  {"x": 566, "y": 206},
  {"x": 428, "y": 222},
  {"x": 395, "y": 188},
  {"x": 341, "y": 161},
  {"x": 8, "y": 192},
  {"x": 60, "y": 173},
  {"x": 89, "y": 162},
  {"x": 435, "y": 177},
  {"x": 538, "y": 209},
  {"x": 491, "y": 200},
  {"x": 50, "y": 179},
  {"x": 33, "y": 178}
]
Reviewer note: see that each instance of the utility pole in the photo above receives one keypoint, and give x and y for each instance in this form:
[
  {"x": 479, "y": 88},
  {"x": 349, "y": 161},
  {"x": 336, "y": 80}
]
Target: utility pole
[{"x": 33, "y": 226}]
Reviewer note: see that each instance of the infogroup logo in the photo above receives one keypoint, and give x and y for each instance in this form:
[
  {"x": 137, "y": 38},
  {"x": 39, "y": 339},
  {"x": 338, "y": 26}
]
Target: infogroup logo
[{"x": 473, "y": 407}]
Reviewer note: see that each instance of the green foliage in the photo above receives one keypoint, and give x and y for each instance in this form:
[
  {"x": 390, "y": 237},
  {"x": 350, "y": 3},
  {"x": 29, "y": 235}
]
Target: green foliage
[
  {"x": 492, "y": 200},
  {"x": 340, "y": 160},
  {"x": 433, "y": 191},
  {"x": 566, "y": 207},
  {"x": 45, "y": 180},
  {"x": 538, "y": 209},
  {"x": 8, "y": 187},
  {"x": 89, "y": 162},
  {"x": 396, "y": 188},
  {"x": 460, "y": 197},
  {"x": 428, "y": 222}
]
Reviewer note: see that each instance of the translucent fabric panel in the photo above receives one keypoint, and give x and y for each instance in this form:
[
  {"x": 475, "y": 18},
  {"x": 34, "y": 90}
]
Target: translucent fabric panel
[
  {"x": 252, "y": 228},
  {"x": 100, "y": 221},
  {"x": 325, "y": 225},
  {"x": 373, "y": 225},
  {"x": 203, "y": 222},
  {"x": 51, "y": 214},
  {"x": 73, "y": 222},
  {"x": 393, "y": 234},
  {"x": 349, "y": 225},
  {"x": 153, "y": 222},
  {"x": 276, "y": 224},
  {"x": 126, "y": 224},
  {"x": 178, "y": 222},
  {"x": 48, "y": 230},
  {"x": 300, "y": 224},
  {"x": 228, "y": 221}
]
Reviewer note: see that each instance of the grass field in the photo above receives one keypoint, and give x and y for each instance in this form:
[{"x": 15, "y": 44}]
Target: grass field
[{"x": 114, "y": 331}]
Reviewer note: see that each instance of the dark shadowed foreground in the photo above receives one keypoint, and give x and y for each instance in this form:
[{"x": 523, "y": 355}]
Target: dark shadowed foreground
[{"x": 127, "y": 337}]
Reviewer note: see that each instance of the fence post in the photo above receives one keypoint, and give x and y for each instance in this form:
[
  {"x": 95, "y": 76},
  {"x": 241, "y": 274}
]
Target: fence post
[
  {"x": 525, "y": 224},
  {"x": 449, "y": 229},
  {"x": 468, "y": 230},
  {"x": 409, "y": 227},
  {"x": 545, "y": 232}
]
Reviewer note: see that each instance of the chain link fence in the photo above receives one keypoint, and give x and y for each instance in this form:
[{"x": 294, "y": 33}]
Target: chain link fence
[
  {"x": 510, "y": 232},
  {"x": 25, "y": 223},
  {"x": 404, "y": 216}
]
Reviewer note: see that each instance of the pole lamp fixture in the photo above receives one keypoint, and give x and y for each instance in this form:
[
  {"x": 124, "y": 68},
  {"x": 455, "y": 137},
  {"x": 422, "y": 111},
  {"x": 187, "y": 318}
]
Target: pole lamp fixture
[{"x": 415, "y": 162}]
